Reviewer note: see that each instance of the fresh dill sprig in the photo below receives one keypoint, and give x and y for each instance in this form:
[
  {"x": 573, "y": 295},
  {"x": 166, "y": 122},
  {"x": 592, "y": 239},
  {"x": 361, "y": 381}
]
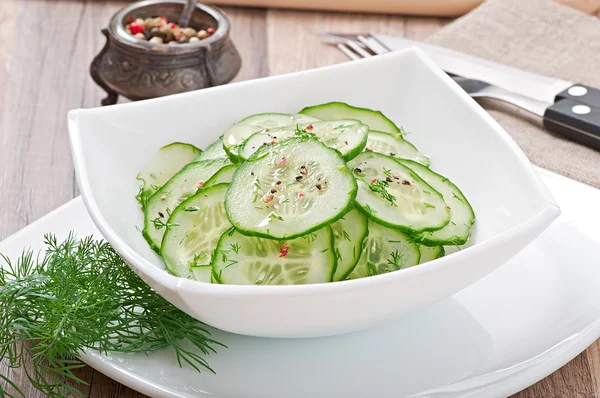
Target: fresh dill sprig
[
  {"x": 380, "y": 187},
  {"x": 395, "y": 260},
  {"x": 78, "y": 296}
]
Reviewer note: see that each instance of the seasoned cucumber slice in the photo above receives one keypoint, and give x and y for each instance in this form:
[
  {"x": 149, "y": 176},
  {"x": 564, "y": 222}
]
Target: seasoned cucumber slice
[
  {"x": 213, "y": 151},
  {"x": 247, "y": 260},
  {"x": 289, "y": 189},
  {"x": 347, "y": 136},
  {"x": 339, "y": 110},
  {"x": 458, "y": 230},
  {"x": 196, "y": 226},
  {"x": 348, "y": 233},
  {"x": 203, "y": 273},
  {"x": 180, "y": 187},
  {"x": 164, "y": 164},
  {"x": 395, "y": 146},
  {"x": 243, "y": 129},
  {"x": 430, "y": 253},
  {"x": 395, "y": 196},
  {"x": 224, "y": 175},
  {"x": 385, "y": 250}
]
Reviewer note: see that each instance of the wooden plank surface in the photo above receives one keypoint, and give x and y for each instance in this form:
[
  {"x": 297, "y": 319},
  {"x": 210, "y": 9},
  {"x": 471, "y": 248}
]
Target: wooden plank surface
[{"x": 44, "y": 74}]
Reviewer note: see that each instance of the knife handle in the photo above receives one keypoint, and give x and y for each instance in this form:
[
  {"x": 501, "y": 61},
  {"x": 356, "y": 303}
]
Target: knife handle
[
  {"x": 581, "y": 93},
  {"x": 574, "y": 120}
]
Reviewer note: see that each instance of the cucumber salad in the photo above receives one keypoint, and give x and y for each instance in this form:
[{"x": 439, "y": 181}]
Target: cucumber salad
[{"x": 331, "y": 193}]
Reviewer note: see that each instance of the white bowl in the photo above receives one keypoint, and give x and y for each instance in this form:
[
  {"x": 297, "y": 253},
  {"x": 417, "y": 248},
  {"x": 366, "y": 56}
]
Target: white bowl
[{"x": 512, "y": 206}]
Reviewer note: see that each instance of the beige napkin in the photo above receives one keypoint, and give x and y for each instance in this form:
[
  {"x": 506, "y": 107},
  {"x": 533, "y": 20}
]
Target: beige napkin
[{"x": 544, "y": 37}]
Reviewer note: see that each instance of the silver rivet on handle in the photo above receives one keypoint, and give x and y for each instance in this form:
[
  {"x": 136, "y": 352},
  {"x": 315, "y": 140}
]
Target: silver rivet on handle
[
  {"x": 581, "y": 109},
  {"x": 577, "y": 91}
]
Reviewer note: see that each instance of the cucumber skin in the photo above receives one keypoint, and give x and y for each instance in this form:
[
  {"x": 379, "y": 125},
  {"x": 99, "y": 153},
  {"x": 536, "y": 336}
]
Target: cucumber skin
[
  {"x": 257, "y": 155},
  {"x": 233, "y": 229},
  {"x": 408, "y": 231},
  {"x": 423, "y": 239},
  {"x": 362, "y": 242},
  {"x": 144, "y": 195},
  {"x": 401, "y": 138},
  {"x": 209, "y": 149},
  {"x": 440, "y": 254},
  {"x": 235, "y": 159},
  {"x": 332, "y": 249},
  {"x": 200, "y": 191},
  {"x": 347, "y": 157},
  {"x": 210, "y": 181},
  {"x": 309, "y": 109},
  {"x": 144, "y": 233},
  {"x": 414, "y": 246}
]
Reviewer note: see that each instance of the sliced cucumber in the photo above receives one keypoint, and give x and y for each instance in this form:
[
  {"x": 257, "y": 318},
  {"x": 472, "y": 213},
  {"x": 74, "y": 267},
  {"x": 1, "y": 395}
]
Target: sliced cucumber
[
  {"x": 203, "y": 273},
  {"x": 395, "y": 146},
  {"x": 349, "y": 137},
  {"x": 395, "y": 196},
  {"x": 430, "y": 253},
  {"x": 196, "y": 226},
  {"x": 290, "y": 189},
  {"x": 164, "y": 164},
  {"x": 339, "y": 110},
  {"x": 348, "y": 233},
  {"x": 252, "y": 124},
  {"x": 385, "y": 250},
  {"x": 180, "y": 187},
  {"x": 458, "y": 230},
  {"x": 246, "y": 260},
  {"x": 224, "y": 175},
  {"x": 213, "y": 151}
]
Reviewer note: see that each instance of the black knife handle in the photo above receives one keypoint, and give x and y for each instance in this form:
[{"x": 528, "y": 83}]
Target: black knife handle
[
  {"x": 581, "y": 93},
  {"x": 574, "y": 120}
]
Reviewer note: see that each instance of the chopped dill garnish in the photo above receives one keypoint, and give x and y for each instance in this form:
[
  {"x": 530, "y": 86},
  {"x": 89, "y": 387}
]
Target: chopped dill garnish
[{"x": 380, "y": 187}]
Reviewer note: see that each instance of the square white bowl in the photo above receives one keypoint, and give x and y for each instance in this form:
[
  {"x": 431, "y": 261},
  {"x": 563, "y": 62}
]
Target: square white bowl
[{"x": 512, "y": 205}]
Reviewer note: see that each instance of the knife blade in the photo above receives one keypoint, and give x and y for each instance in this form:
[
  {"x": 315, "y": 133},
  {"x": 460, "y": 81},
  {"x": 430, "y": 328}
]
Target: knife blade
[
  {"x": 560, "y": 114},
  {"x": 518, "y": 81}
]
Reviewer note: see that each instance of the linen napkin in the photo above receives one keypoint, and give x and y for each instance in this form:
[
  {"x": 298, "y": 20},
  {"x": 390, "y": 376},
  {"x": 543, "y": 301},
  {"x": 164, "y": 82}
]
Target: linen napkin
[{"x": 544, "y": 37}]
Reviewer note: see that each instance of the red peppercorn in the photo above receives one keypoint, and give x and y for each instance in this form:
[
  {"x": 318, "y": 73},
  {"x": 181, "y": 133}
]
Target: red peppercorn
[
  {"x": 136, "y": 28},
  {"x": 210, "y": 31},
  {"x": 164, "y": 19},
  {"x": 173, "y": 25},
  {"x": 374, "y": 180},
  {"x": 283, "y": 250}
]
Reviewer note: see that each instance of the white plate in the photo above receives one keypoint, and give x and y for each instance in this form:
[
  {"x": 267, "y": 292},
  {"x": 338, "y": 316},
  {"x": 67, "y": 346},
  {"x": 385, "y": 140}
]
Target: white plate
[{"x": 500, "y": 335}]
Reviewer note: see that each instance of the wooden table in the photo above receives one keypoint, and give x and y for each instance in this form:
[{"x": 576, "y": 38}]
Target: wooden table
[{"x": 45, "y": 51}]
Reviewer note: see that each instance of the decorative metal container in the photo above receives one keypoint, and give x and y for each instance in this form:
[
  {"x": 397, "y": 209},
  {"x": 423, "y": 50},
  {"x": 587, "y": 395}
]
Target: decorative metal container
[{"x": 139, "y": 69}]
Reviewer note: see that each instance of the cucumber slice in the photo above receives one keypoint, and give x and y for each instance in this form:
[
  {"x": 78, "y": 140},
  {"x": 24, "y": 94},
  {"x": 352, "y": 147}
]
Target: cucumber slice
[
  {"x": 164, "y": 164},
  {"x": 349, "y": 233},
  {"x": 203, "y": 273},
  {"x": 430, "y": 253},
  {"x": 289, "y": 189},
  {"x": 247, "y": 260},
  {"x": 252, "y": 124},
  {"x": 339, "y": 110},
  {"x": 395, "y": 146},
  {"x": 197, "y": 224},
  {"x": 180, "y": 187},
  {"x": 385, "y": 250},
  {"x": 458, "y": 230},
  {"x": 224, "y": 175},
  {"x": 213, "y": 151},
  {"x": 395, "y": 196},
  {"x": 349, "y": 137}
]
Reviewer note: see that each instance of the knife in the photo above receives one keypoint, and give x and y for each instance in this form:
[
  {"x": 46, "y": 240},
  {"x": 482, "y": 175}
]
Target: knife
[{"x": 567, "y": 108}]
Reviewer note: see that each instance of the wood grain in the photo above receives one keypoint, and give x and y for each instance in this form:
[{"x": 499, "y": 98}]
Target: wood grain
[{"x": 43, "y": 76}]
